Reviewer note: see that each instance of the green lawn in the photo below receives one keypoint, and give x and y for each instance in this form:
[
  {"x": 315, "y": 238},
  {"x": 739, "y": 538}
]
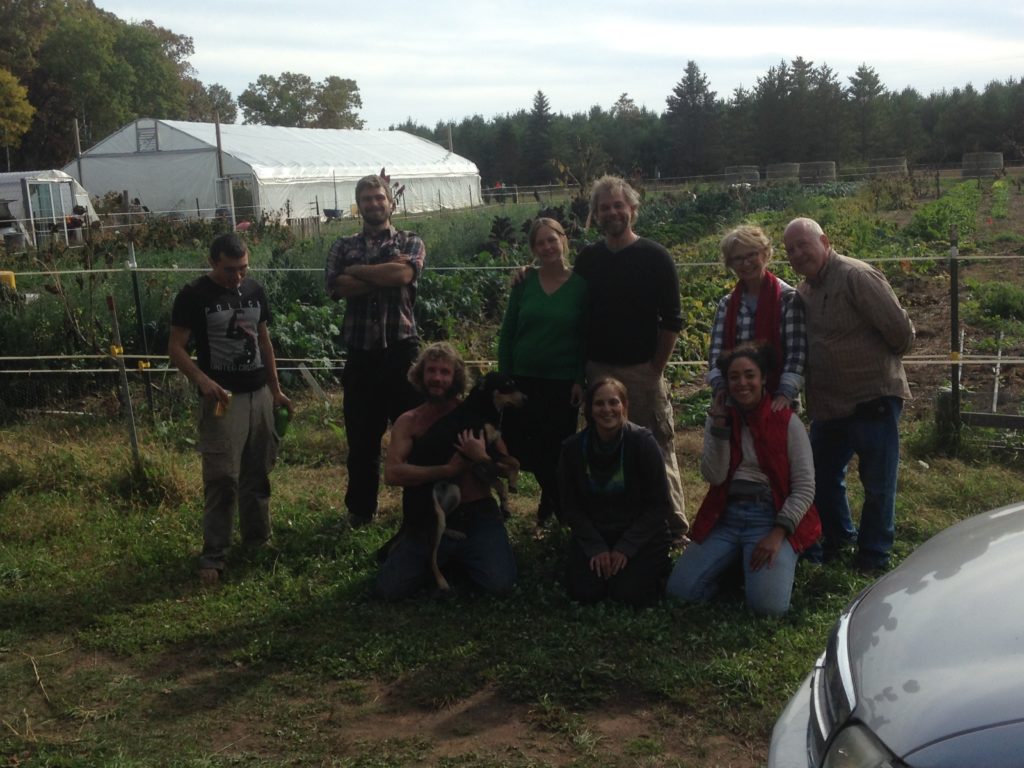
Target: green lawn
[{"x": 111, "y": 653}]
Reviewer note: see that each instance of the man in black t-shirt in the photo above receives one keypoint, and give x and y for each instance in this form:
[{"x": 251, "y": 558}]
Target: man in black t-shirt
[
  {"x": 226, "y": 316},
  {"x": 634, "y": 319}
]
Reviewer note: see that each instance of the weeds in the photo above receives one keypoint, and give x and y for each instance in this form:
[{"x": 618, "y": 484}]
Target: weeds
[
  {"x": 1000, "y": 199},
  {"x": 293, "y": 630},
  {"x": 958, "y": 207},
  {"x": 292, "y": 658}
]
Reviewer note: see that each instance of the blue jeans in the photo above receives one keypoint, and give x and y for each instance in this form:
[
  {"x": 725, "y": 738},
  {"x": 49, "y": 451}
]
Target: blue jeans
[
  {"x": 697, "y": 571},
  {"x": 485, "y": 554},
  {"x": 873, "y": 434}
]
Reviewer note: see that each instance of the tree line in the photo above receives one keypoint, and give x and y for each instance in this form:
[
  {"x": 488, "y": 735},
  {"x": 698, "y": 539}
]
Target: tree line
[
  {"x": 795, "y": 112},
  {"x": 62, "y": 60}
]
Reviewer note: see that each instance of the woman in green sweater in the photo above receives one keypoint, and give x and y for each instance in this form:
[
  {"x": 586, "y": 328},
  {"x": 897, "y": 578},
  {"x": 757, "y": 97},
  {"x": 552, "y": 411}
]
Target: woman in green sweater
[{"x": 541, "y": 347}]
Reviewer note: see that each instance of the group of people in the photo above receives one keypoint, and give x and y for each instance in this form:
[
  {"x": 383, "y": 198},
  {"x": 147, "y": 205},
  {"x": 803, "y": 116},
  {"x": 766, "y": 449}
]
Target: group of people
[{"x": 597, "y": 334}]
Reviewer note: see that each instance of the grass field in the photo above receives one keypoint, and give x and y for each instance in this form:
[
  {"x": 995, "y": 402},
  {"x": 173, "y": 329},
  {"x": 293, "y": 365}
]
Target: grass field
[{"x": 111, "y": 653}]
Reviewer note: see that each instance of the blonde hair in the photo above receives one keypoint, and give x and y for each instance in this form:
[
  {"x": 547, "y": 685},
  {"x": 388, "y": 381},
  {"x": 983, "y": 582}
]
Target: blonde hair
[
  {"x": 554, "y": 226},
  {"x": 609, "y": 185},
  {"x": 746, "y": 237}
]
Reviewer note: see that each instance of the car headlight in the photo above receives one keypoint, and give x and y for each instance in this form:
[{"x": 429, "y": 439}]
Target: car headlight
[{"x": 856, "y": 747}]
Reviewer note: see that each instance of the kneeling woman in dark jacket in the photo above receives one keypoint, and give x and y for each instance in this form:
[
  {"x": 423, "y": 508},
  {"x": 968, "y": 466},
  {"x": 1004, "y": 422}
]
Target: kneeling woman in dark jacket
[
  {"x": 615, "y": 498},
  {"x": 759, "y": 507}
]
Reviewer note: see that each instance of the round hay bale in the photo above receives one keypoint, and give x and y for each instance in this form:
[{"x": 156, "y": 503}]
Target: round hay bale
[
  {"x": 977, "y": 165},
  {"x": 817, "y": 172},
  {"x": 742, "y": 174},
  {"x": 887, "y": 166},
  {"x": 782, "y": 171}
]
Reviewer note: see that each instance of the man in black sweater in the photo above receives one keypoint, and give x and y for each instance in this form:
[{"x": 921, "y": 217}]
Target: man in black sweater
[{"x": 634, "y": 319}]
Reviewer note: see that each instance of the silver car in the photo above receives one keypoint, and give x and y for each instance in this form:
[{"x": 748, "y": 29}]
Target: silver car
[{"x": 925, "y": 668}]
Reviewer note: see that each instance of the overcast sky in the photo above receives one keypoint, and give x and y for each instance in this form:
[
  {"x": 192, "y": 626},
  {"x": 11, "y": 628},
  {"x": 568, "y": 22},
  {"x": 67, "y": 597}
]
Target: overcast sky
[{"x": 440, "y": 59}]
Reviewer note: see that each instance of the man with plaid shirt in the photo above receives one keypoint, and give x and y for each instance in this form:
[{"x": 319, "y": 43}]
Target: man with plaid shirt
[{"x": 375, "y": 272}]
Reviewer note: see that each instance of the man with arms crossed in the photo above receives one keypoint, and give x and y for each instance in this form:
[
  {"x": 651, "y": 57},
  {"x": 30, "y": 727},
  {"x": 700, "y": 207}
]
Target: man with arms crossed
[
  {"x": 375, "y": 272},
  {"x": 226, "y": 314},
  {"x": 634, "y": 320},
  {"x": 857, "y": 334}
]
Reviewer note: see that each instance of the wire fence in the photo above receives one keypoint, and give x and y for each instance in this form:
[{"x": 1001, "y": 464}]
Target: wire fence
[
  {"x": 97, "y": 384},
  {"x": 74, "y": 381}
]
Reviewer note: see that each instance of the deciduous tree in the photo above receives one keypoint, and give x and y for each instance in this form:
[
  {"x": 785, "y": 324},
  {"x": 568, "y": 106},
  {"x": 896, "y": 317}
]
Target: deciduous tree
[
  {"x": 336, "y": 103},
  {"x": 294, "y": 100},
  {"x": 95, "y": 67},
  {"x": 205, "y": 103},
  {"x": 24, "y": 25},
  {"x": 15, "y": 111}
]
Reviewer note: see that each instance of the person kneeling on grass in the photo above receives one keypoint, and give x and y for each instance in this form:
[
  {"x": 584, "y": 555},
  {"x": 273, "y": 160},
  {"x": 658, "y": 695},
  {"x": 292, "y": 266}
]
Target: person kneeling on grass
[
  {"x": 759, "y": 507},
  {"x": 423, "y": 450},
  {"x": 615, "y": 498}
]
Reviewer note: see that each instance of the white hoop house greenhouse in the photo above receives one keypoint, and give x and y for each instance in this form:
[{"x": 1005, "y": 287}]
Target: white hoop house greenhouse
[{"x": 175, "y": 168}]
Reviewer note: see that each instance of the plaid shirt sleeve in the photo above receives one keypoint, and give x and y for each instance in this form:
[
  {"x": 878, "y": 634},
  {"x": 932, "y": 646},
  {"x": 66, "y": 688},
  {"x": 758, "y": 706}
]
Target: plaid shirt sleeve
[
  {"x": 714, "y": 376},
  {"x": 794, "y": 345},
  {"x": 335, "y": 263},
  {"x": 411, "y": 247}
]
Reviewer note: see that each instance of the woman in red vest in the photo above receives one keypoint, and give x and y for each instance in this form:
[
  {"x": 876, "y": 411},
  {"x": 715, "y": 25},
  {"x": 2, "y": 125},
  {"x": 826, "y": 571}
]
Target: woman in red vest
[
  {"x": 759, "y": 508},
  {"x": 760, "y": 308}
]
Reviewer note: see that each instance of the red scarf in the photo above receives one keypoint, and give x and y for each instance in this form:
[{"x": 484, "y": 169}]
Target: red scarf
[
  {"x": 767, "y": 322},
  {"x": 770, "y": 431}
]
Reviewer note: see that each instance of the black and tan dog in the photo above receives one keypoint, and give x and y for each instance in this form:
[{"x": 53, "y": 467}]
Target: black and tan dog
[{"x": 481, "y": 412}]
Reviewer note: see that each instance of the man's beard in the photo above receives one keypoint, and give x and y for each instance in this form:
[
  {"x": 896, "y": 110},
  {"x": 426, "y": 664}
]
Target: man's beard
[
  {"x": 431, "y": 394},
  {"x": 376, "y": 218},
  {"x": 614, "y": 226}
]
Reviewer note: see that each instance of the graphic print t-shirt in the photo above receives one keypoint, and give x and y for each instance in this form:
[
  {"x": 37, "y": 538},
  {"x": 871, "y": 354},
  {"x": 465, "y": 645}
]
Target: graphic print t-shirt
[{"x": 224, "y": 327}]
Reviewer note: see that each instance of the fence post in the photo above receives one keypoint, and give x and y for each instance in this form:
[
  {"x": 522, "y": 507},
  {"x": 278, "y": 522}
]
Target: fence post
[
  {"x": 117, "y": 352},
  {"x": 141, "y": 322},
  {"x": 954, "y": 329}
]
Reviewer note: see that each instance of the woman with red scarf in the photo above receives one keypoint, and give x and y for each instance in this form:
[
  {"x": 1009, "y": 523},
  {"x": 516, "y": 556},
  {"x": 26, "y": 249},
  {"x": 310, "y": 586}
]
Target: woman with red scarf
[
  {"x": 761, "y": 308},
  {"x": 759, "y": 508}
]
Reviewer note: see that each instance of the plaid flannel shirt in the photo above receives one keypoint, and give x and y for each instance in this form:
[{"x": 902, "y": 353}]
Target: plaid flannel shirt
[
  {"x": 384, "y": 316},
  {"x": 793, "y": 337}
]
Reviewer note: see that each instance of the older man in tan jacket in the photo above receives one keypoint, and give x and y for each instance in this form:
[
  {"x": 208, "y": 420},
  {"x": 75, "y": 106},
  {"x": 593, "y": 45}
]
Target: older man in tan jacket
[{"x": 857, "y": 334}]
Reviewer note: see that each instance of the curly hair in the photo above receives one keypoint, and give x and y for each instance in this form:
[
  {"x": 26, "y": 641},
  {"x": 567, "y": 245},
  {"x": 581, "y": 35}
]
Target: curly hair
[
  {"x": 439, "y": 350},
  {"x": 760, "y": 354},
  {"x": 609, "y": 185}
]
